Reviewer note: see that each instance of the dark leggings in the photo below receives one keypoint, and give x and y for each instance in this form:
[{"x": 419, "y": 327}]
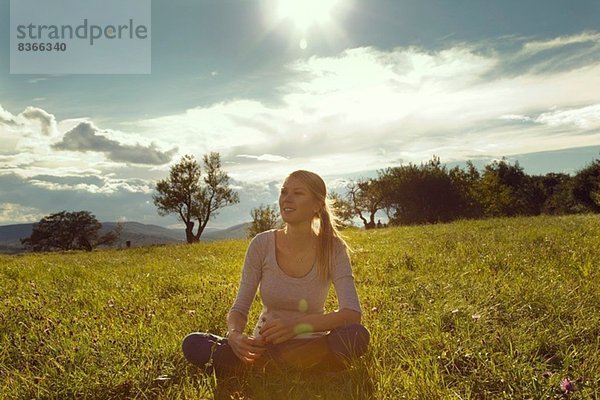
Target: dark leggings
[{"x": 211, "y": 352}]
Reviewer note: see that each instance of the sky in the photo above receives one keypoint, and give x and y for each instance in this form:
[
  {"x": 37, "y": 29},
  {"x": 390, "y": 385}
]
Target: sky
[{"x": 343, "y": 88}]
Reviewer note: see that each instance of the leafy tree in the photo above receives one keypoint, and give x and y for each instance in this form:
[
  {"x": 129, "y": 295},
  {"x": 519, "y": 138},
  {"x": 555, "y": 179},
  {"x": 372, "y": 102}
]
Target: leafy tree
[
  {"x": 193, "y": 197},
  {"x": 342, "y": 208},
  {"x": 263, "y": 219},
  {"x": 69, "y": 231},
  {"x": 558, "y": 194},
  {"x": 366, "y": 197},
  {"x": 505, "y": 190},
  {"x": 420, "y": 194},
  {"x": 465, "y": 185},
  {"x": 586, "y": 186}
]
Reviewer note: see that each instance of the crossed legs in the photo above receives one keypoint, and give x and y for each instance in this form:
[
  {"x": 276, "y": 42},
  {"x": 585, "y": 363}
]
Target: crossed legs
[{"x": 336, "y": 350}]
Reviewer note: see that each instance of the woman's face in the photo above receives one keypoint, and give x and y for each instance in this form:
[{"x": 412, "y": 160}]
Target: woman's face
[{"x": 296, "y": 202}]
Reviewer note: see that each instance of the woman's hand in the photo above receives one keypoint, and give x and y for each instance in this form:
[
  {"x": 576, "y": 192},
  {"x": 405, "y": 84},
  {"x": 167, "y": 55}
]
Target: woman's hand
[
  {"x": 279, "y": 330},
  {"x": 248, "y": 349}
]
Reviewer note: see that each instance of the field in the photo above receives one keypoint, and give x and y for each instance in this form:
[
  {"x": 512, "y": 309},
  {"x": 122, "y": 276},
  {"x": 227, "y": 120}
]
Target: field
[{"x": 502, "y": 308}]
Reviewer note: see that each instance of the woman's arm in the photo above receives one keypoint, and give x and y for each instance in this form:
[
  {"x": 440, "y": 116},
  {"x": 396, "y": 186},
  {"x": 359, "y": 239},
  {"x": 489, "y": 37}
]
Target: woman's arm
[
  {"x": 329, "y": 321},
  {"x": 279, "y": 330},
  {"x": 249, "y": 281},
  {"x": 247, "y": 349},
  {"x": 236, "y": 322}
]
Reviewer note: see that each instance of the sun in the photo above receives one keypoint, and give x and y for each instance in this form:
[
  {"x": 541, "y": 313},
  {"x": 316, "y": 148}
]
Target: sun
[{"x": 304, "y": 13}]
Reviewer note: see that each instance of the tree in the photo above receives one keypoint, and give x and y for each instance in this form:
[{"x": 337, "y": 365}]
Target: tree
[
  {"x": 420, "y": 194},
  {"x": 69, "y": 231},
  {"x": 263, "y": 219},
  {"x": 193, "y": 197},
  {"x": 342, "y": 208},
  {"x": 586, "y": 186},
  {"x": 110, "y": 237},
  {"x": 366, "y": 197},
  {"x": 465, "y": 184},
  {"x": 558, "y": 189},
  {"x": 505, "y": 190}
]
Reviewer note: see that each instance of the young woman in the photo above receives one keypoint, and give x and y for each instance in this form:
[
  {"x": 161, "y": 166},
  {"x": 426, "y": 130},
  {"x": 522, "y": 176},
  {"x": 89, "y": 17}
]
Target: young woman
[{"x": 294, "y": 268}]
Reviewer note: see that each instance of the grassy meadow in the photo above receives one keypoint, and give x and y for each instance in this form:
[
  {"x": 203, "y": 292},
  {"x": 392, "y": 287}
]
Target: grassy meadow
[{"x": 498, "y": 309}]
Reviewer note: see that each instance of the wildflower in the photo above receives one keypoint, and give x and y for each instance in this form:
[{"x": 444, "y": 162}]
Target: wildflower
[{"x": 566, "y": 385}]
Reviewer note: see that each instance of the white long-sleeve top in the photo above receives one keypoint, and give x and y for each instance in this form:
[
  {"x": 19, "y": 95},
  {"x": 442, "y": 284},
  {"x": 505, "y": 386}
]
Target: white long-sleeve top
[{"x": 284, "y": 296}]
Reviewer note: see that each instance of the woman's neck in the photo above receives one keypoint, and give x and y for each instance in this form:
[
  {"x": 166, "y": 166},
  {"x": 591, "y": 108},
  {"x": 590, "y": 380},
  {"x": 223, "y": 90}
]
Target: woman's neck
[{"x": 300, "y": 233}]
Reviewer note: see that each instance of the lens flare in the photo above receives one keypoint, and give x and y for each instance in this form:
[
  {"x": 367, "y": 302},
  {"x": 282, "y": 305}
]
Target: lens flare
[
  {"x": 303, "y": 328},
  {"x": 303, "y": 305}
]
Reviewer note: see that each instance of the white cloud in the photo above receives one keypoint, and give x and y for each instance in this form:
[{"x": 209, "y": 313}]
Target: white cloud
[
  {"x": 32, "y": 121},
  {"x": 5, "y": 116},
  {"x": 110, "y": 186},
  {"x": 366, "y": 108},
  {"x": 583, "y": 118},
  {"x": 264, "y": 157},
  {"x": 28, "y": 199},
  {"x": 213, "y": 128},
  {"x": 515, "y": 117},
  {"x": 339, "y": 108},
  {"x": 561, "y": 41},
  {"x": 36, "y": 80},
  {"x": 11, "y": 213},
  {"x": 28, "y": 142},
  {"x": 46, "y": 120}
]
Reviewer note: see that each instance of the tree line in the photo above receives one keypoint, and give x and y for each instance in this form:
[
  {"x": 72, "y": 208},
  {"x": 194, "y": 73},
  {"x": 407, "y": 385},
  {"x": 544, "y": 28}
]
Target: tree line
[
  {"x": 407, "y": 194},
  {"x": 430, "y": 192}
]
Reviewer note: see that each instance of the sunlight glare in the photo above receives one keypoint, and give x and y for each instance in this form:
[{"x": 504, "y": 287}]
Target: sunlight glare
[{"x": 304, "y": 13}]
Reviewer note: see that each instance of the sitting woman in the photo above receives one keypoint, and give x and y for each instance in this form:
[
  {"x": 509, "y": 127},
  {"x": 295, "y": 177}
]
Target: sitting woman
[{"x": 294, "y": 267}]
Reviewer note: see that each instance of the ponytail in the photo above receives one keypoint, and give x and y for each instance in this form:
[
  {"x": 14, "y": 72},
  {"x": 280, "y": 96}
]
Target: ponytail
[{"x": 328, "y": 238}]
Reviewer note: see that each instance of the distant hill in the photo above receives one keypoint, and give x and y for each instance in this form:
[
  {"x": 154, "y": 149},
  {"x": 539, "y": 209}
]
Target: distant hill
[
  {"x": 233, "y": 232},
  {"x": 137, "y": 233},
  {"x": 10, "y": 236},
  {"x": 144, "y": 235}
]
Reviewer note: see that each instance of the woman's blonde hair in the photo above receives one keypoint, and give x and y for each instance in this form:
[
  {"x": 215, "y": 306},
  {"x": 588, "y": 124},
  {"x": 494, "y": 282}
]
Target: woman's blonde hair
[{"x": 324, "y": 223}]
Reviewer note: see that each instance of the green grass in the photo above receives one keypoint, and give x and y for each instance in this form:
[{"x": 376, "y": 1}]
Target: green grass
[{"x": 501, "y": 308}]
